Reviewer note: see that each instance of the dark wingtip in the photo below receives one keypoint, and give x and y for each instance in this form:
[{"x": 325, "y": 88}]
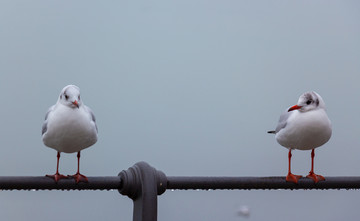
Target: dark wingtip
[{"x": 271, "y": 132}]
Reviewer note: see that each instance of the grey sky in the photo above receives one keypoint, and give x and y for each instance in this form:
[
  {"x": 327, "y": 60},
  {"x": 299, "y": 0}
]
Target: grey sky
[{"x": 190, "y": 87}]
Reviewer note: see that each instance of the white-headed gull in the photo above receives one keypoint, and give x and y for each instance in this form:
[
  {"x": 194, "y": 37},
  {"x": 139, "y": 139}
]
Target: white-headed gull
[
  {"x": 304, "y": 126},
  {"x": 69, "y": 127}
]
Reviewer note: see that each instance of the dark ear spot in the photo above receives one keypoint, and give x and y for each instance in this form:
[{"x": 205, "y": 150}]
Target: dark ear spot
[
  {"x": 60, "y": 96},
  {"x": 317, "y": 102}
]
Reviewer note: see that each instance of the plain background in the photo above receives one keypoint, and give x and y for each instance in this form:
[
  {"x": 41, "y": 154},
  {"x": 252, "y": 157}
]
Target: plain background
[{"x": 191, "y": 87}]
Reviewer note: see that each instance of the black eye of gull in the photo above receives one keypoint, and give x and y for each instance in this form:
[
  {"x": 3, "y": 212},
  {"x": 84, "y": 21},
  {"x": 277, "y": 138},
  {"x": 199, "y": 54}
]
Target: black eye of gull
[
  {"x": 79, "y": 97},
  {"x": 66, "y": 97},
  {"x": 308, "y": 102}
]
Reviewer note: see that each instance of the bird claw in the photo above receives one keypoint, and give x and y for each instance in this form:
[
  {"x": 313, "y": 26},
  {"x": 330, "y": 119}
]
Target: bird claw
[
  {"x": 292, "y": 178},
  {"x": 315, "y": 177},
  {"x": 79, "y": 178},
  {"x": 57, "y": 177}
]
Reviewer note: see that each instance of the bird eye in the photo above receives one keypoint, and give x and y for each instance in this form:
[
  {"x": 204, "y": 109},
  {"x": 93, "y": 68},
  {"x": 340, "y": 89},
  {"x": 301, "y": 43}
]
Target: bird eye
[
  {"x": 308, "y": 102},
  {"x": 66, "y": 97},
  {"x": 79, "y": 97}
]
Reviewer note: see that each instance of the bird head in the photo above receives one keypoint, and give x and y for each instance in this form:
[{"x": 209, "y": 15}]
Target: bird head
[
  {"x": 308, "y": 101},
  {"x": 70, "y": 96}
]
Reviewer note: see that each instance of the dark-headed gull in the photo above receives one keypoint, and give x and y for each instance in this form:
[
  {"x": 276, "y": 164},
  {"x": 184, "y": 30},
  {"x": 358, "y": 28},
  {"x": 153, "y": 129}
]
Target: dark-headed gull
[
  {"x": 69, "y": 127},
  {"x": 304, "y": 126}
]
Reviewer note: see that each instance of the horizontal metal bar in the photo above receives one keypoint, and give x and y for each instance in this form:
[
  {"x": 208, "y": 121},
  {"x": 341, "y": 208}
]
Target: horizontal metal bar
[
  {"x": 247, "y": 183},
  {"x": 46, "y": 183},
  {"x": 178, "y": 182}
]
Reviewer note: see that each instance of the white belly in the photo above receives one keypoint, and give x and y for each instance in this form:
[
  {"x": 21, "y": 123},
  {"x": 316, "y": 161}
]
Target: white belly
[
  {"x": 305, "y": 131},
  {"x": 69, "y": 131}
]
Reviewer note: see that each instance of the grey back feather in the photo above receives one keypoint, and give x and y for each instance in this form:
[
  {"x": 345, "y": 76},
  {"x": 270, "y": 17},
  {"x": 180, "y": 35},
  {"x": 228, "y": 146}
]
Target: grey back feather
[
  {"x": 92, "y": 116},
  {"x": 282, "y": 122},
  {"x": 44, "y": 126}
]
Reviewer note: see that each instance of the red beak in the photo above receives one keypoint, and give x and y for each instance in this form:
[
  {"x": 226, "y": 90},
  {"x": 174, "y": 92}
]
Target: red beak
[
  {"x": 295, "y": 107},
  {"x": 76, "y": 103}
]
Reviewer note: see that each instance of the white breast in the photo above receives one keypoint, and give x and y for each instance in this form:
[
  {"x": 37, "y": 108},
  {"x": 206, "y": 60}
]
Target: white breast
[
  {"x": 305, "y": 130},
  {"x": 69, "y": 130}
]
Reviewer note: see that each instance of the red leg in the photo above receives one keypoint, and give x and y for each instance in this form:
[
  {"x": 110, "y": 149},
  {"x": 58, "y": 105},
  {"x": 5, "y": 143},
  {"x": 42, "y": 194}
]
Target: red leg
[
  {"x": 312, "y": 175},
  {"x": 78, "y": 176},
  {"x": 291, "y": 177},
  {"x": 57, "y": 176}
]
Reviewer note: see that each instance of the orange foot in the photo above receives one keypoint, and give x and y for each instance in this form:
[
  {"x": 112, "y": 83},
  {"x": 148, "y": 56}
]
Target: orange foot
[
  {"x": 57, "y": 177},
  {"x": 79, "y": 178},
  {"x": 315, "y": 177},
  {"x": 292, "y": 178}
]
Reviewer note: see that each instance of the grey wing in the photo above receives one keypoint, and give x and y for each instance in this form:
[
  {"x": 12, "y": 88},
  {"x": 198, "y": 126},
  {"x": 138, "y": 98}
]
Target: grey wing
[
  {"x": 92, "y": 116},
  {"x": 282, "y": 121},
  {"x": 44, "y": 126}
]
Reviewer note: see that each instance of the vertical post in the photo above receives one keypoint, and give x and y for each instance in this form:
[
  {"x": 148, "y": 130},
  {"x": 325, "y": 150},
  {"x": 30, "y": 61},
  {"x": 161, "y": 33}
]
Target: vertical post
[{"x": 142, "y": 183}]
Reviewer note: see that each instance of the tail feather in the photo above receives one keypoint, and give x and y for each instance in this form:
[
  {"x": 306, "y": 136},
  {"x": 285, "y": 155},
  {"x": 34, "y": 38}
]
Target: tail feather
[{"x": 271, "y": 132}]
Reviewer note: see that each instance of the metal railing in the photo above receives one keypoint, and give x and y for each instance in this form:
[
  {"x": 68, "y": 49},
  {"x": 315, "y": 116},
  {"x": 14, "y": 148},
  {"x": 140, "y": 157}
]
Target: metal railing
[
  {"x": 143, "y": 183},
  {"x": 45, "y": 183}
]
